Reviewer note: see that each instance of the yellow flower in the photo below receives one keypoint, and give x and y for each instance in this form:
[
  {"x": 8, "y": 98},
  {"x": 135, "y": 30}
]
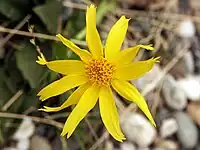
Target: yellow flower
[{"x": 98, "y": 70}]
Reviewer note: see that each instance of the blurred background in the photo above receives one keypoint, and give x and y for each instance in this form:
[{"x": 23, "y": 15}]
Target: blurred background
[{"x": 171, "y": 88}]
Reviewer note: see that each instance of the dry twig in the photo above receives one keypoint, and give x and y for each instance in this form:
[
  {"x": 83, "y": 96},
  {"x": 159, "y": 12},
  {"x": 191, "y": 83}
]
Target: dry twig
[
  {"x": 36, "y": 119},
  {"x": 4, "y": 40},
  {"x": 12, "y": 100},
  {"x": 38, "y": 35}
]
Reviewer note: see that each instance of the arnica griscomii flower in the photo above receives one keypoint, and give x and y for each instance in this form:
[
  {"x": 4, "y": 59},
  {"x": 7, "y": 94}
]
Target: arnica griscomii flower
[{"x": 99, "y": 71}]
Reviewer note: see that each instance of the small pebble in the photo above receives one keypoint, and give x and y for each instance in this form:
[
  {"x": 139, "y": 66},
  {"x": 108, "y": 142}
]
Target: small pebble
[
  {"x": 186, "y": 29},
  {"x": 168, "y": 127},
  {"x": 23, "y": 144},
  {"x": 187, "y": 132},
  {"x": 138, "y": 129},
  {"x": 167, "y": 145},
  {"x": 127, "y": 146},
  {"x": 173, "y": 94},
  {"x": 191, "y": 87},
  {"x": 193, "y": 110}
]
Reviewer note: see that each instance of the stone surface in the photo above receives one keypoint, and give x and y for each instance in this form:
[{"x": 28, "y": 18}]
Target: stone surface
[
  {"x": 145, "y": 148},
  {"x": 39, "y": 143},
  {"x": 167, "y": 145},
  {"x": 193, "y": 110},
  {"x": 187, "y": 132},
  {"x": 23, "y": 144},
  {"x": 109, "y": 145},
  {"x": 188, "y": 63},
  {"x": 162, "y": 115},
  {"x": 127, "y": 146},
  {"x": 173, "y": 94},
  {"x": 190, "y": 86},
  {"x": 186, "y": 28},
  {"x": 168, "y": 127},
  {"x": 136, "y": 128}
]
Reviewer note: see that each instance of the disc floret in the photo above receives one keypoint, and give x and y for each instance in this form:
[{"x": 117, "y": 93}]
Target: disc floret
[{"x": 100, "y": 71}]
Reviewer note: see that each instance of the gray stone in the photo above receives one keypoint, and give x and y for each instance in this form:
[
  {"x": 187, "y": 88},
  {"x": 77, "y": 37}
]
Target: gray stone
[
  {"x": 173, "y": 94},
  {"x": 187, "y": 132},
  {"x": 39, "y": 143}
]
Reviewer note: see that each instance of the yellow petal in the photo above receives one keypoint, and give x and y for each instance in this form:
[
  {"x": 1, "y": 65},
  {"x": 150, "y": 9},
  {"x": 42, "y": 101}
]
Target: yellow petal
[
  {"x": 115, "y": 38},
  {"x": 85, "y": 104},
  {"x": 61, "y": 86},
  {"x": 67, "y": 67},
  {"x": 73, "y": 99},
  {"x": 92, "y": 35},
  {"x": 109, "y": 113},
  {"x": 83, "y": 54},
  {"x": 135, "y": 70},
  {"x": 129, "y": 92},
  {"x": 126, "y": 56},
  {"x": 41, "y": 60}
]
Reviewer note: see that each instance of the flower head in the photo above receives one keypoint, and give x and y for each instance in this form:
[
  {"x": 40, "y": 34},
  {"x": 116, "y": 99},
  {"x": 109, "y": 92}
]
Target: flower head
[{"x": 95, "y": 73}]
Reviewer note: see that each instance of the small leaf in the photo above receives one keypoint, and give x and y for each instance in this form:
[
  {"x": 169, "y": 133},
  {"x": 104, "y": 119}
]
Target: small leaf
[
  {"x": 26, "y": 62},
  {"x": 61, "y": 52},
  {"x": 29, "y": 100},
  {"x": 10, "y": 10},
  {"x": 5, "y": 93},
  {"x": 49, "y": 14}
]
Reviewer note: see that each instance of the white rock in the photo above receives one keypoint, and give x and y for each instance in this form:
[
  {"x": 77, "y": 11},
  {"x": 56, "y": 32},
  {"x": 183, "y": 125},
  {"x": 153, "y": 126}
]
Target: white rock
[
  {"x": 168, "y": 127},
  {"x": 127, "y": 146},
  {"x": 25, "y": 130},
  {"x": 186, "y": 28},
  {"x": 191, "y": 87},
  {"x": 138, "y": 129},
  {"x": 23, "y": 144}
]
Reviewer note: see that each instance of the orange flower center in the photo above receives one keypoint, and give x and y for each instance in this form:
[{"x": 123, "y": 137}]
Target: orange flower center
[{"x": 100, "y": 71}]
